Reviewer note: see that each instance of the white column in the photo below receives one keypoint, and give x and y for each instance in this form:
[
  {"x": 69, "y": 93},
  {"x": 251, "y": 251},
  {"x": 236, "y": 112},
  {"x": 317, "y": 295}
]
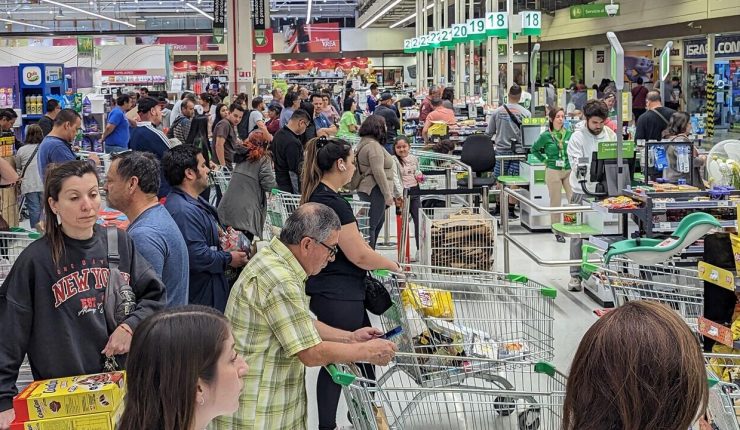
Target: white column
[
  {"x": 509, "y": 48},
  {"x": 263, "y": 62},
  {"x": 238, "y": 40},
  {"x": 459, "y": 51},
  {"x": 471, "y": 60},
  {"x": 492, "y": 58}
]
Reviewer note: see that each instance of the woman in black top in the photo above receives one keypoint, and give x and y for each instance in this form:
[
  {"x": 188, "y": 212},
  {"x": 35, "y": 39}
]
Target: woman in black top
[{"x": 338, "y": 292}]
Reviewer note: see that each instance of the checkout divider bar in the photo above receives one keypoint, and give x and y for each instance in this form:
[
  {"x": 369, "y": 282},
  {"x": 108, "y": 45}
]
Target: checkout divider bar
[{"x": 509, "y": 238}]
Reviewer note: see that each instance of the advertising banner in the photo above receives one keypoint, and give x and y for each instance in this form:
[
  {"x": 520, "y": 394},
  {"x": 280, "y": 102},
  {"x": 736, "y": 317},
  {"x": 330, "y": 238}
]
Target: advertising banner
[{"x": 305, "y": 38}]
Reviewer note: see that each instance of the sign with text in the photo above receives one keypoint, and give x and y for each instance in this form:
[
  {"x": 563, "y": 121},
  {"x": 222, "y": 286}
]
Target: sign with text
[
  {"x": 263, "y": 41},
  {"x": 85, "y": 46},
  {"x": 219, "y": 20},
  {"x": 497, "y": 24},
  {"x": 724, "y": 46},
  {"x": 459, "y": 33},
  {"x": 324, "y": 37},
  {"x": 476, "y": 29},
  {"x": 589, "y": 11},
  {"x": 531, "y": 23},
  {"x": 258, "y": 14}
]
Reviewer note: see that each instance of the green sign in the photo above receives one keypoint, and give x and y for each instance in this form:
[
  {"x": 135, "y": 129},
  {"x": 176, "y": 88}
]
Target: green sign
[
  {"x": 459, "y": 33},
  {"x": 218, "y": 35},
  {"x": 476, "y": 29},
  {"x": 259, "y": 38},
  {"x": 589, "y": 11},
  {"x": 665, "y": 64},
  {"x": 534, "y": 121},
  {"x": 608, "y": 150},
  {"x": 434, "y": 39},
  {"x": 446, "y": 38},
  {"x": 497, "y": 24},
  {"x": 501, "y": 50},
  {"x": 85, "y": 46},
  {"x": 613, "y": 59},
  {"x": 531, "y": 23}
]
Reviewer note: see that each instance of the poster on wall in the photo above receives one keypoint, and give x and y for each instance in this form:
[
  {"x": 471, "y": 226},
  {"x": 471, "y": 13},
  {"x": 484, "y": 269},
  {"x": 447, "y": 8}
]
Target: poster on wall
[
  {"x": 638, "y": 64},
  {"x": 324, "y": 64},
  {"x": 305, "y": 38}
]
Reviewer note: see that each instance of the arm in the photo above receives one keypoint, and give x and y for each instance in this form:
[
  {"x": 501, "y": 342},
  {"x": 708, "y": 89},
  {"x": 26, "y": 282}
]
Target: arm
[
  {"x": 397, "y": 183},
  {"x": 149, "y": 289},
  {"x": 8, "y": 175},
  {"x": 294, "y": 159},
  {"x": 200, "y": 256},
  {"x": 425, "y": 129},
  {"x": 377, "y": 160},
  {"x": 108, "y": 130},
  {"x": 353, "y": 246},
  {"x": 220, "y": 153},
  {"x": 267, "y": 176},
  {"x": 491, "y": 130},
  {"x": 538, "y": 149},
  {"x": 575, "y": 150}
]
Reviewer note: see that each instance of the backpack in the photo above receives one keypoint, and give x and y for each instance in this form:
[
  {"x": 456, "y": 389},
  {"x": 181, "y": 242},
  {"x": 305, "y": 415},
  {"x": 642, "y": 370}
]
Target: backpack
[
  {"x": 242, "y": 129},
  {"x": 171, "y": 131}
]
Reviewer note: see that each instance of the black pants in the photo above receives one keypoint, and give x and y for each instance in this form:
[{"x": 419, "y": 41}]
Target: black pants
[
  {"x": 414, "y": 205},
  {"x": 346, "y": 315},
  {"x": 377, "y": 212}
]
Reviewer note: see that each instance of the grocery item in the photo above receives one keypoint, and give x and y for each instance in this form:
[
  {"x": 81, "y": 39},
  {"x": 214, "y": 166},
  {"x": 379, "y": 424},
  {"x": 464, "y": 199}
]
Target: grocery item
[
  {"x": 735, "y": 240},
  {"x": 620, "y": 202},
  {"x": 430, "y": 302},
  {"x": 70, "y": 396},
  {"x": 97, "y": 421}
]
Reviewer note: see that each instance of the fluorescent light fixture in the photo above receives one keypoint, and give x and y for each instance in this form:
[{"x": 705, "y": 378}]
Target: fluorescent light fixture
[
  {"x": 200, "y": 11},
  {"x": 308, "y": 11},
  {"x": 410, "y": 17},
  {"x": 87, "y": 12},
  {"x": 12, "y": 21},
  {"x": 379, "y": 14}
]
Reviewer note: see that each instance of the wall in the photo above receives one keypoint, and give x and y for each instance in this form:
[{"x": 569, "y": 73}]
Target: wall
[
  {"x": 375, "y": 39},
  {"x": 66, "y": 55}
]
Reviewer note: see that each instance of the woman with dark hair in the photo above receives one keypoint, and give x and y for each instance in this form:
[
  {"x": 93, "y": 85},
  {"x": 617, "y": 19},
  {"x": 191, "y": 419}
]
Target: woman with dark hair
[
  {"x": 192, "y": 346},
  {"x": 52, "y": 298},
  {"x": 678, "y": 130},
  {"x": 448, "y": 97},
  {"x": 32, "y": 188},
  {"x": 244, "y": 206},
  {"x": 408, "y": 165},
  {"x": 198, "y": 136},
  {"x": 551, "y": 148},
  {"x": 638, "y": 367},
  {"x": 205, "y": 100},
  {"x": 222, "y": 111},
  {"x": 338, "y": 292},
  {"x": 348, "y": 123},
  {"x": 273, "y": 123},
  {"x": 376, "y": 170}
]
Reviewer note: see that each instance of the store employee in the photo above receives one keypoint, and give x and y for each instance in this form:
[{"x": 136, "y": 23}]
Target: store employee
[{"x": 117, "y": 133}]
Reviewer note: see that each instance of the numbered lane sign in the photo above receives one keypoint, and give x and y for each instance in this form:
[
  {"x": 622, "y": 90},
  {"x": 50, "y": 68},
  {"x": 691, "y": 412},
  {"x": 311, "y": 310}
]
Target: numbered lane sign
[
  {"x": 459, "y": 33},
  {"x": 476, "y": 29},
  {"x": 434, "y": 37},
  {"x": 497, "y": 24},
  {"x": 446, "y": 37},
  {"x": 531, "y": 23}
]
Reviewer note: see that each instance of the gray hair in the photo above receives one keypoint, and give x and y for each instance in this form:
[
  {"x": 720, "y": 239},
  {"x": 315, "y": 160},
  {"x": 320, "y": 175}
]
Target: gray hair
[{"x": 312, "y": 220}]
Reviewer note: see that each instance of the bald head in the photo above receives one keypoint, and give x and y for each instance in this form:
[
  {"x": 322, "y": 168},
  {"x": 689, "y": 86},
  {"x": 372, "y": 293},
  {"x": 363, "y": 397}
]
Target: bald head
[{"x": 653, "y": 99}]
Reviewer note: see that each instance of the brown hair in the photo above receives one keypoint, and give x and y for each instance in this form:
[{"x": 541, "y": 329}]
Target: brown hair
[
  {"x": 56, "y": 174},
  {"x": 34, "y": 135},
  {"x": 373, "y": 127},
  {"x": 170, "y": 351},
  {"x": 321, "y": 154},
  {"x": 638, "y": 367},
  {"x": 552, "y": 114}
]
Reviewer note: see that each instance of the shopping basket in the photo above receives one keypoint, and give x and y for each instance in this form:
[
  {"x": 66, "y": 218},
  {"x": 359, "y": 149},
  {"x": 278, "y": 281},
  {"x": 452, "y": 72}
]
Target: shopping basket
[
  {"x": 528, "y": 396},
  {"x": 675, "y": 286}
]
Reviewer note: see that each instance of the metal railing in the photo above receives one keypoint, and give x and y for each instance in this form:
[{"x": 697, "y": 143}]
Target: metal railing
[{"x": 509, "y": 238}]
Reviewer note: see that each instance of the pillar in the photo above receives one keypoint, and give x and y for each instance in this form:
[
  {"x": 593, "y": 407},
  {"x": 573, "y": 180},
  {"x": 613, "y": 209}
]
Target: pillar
[
  {"x": 711, "y": 94},
  {"x": 509, "y": 47},
  {"x": 492, "y": 59},
  {"x": 238, "y": 41},
  {"x": 459, "y": 52},
  {"x": 471, "y": 53},
  {"x": 263, "y": 62}
]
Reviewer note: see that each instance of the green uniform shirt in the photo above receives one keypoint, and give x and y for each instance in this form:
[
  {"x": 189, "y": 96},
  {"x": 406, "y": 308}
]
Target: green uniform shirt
[
  {"x": 348, "y": 118},
  {"x": 547, "y": 149},
  {"x": 268, "y": 311}
]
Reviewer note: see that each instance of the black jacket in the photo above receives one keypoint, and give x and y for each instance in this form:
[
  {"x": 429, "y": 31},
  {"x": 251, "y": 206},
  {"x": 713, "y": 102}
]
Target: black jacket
[
  {"x": 392, "y": 123},
  {"x": 55, "y": 314},
  {"x": 287, "y": 155}
]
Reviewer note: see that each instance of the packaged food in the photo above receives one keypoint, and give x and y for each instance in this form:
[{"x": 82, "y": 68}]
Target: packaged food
[
  {"x": 429, "y": 301},
  {"x": 474, "y": 343},
  {"x": 98, "y": 421},
  {"x": 511, "y": 350},
  {"x": 735, "y": 240},
  {"x": 70, "y": 396}
]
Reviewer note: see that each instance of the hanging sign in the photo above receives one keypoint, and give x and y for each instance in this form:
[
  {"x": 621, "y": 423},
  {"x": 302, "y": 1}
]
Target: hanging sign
[
  {"x": 424, "y": 42},
  {"x": 408, "y": 46},
  {"x": 459, "y": 33},
  {"x": 258, "y": 14},
  {"x": 446, "y": 38},
  {"x": 476, "y": 29},
  {"x": 590, "y": 11},
  {"x": 434, "y": 38},
  {"x": 497, "y": 24},
  {"x": 531, "y": 23},
  {"x": 219, "y": 13}
]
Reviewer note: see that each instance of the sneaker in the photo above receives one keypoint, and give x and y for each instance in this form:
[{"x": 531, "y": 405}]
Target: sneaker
[
  {"x": 574, "y": 284},
  {"x": 559, "y": 238}
]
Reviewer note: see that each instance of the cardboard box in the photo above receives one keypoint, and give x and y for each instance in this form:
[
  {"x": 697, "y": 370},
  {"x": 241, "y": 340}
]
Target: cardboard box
[
  {"x": 70, "y": 396},
  {"x": 97, "y": 421}
]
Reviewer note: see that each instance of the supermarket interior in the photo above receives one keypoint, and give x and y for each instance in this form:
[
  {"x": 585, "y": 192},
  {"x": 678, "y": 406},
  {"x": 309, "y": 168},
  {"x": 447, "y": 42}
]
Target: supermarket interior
[{"x": 369, "y": 214}]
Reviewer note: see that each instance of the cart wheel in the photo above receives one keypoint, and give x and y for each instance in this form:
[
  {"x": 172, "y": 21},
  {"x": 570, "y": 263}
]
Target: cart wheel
[
  {"x": 504, "y": 405},
  {"x": 529, "y": 419}
]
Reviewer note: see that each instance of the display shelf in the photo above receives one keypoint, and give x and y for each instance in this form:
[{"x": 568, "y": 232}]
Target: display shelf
[
  {"x": 31, "y": 116},
  {"x": 669, "y": 227}
]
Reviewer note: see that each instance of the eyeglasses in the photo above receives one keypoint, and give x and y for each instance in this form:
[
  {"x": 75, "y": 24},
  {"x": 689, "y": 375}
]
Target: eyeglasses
[{"x": 333, "y": 250}]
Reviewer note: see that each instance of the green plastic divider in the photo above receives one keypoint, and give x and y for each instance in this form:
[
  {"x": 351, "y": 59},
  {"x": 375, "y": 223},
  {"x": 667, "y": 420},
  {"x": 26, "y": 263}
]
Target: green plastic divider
[
  {"x": 549, "y": 292},
  {"x": 712, "y": 381},
  {"x": 340, "y": 377},
  {"x": 588, "y": 268},
  {"x": 31, "y": 234},
  {"x": 545, "y": 368},
  {"x": 513, "y": 277}
]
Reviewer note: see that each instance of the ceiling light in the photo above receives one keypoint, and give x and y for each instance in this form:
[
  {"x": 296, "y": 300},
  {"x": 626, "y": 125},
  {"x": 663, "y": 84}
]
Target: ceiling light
[
  {"x": 650, "y": 44},
  {"x": 410, "y": 17},
  {"x": 199, "y": 1},
  {"x": 11, "y": 21},
  {"x": 200, "y": 11},
  {"x": 86, "y": 12},
  {"x": 92, "y": 3},
  {"x": 381, "y": 13}
]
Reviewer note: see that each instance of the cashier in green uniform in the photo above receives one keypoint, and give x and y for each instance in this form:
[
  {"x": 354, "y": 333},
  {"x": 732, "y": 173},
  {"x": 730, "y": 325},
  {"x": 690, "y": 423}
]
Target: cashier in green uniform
[{"x": 551, "y": 148}]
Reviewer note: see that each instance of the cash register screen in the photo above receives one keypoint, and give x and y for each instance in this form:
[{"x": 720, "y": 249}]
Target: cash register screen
[{"x": 530, "y": 134}]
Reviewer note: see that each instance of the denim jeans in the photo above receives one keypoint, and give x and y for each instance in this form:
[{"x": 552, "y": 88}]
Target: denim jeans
[{"x": 33, "y": 204}]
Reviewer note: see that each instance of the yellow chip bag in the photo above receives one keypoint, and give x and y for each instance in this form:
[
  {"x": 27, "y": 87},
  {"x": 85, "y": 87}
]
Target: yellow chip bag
[{"x": 429, "y": 301}]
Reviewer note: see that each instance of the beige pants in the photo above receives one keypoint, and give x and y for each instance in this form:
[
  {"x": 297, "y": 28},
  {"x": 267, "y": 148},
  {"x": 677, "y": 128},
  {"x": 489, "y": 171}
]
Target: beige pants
[{"x": 556, "y": 180}]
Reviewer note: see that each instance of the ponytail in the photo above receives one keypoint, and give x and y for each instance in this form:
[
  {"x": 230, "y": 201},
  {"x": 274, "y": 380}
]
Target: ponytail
[{"x": 321, "y": 154}]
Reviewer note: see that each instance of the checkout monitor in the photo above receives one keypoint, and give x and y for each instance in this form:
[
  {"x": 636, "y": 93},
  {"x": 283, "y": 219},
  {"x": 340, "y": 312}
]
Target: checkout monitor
[{"x": 530, "y": 134}]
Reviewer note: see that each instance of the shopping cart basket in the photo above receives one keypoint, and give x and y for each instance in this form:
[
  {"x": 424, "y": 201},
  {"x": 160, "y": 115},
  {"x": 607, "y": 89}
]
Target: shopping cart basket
[
  {"x": 724, "y": 392},
  {"x": 677, "y": 287},
  {"x": 104, "y": 163},
  {"x": 466, "y": 313},
  {"x": 220, "y": 177},
  {"x": 526, "y": 397},
  {"x": 12, "y": 243}
]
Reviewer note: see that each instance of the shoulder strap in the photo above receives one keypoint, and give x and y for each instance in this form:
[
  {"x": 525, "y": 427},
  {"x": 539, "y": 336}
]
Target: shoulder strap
[
  {"x": 113, "y": 256},
  {"x": 33, "y": 154},
  {"x": 661, "y": 116},
  {"x": 513, "y": 118}
]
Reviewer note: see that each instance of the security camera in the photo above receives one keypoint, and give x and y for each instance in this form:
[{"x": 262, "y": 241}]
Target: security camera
[{"x": 612, "y": 9}]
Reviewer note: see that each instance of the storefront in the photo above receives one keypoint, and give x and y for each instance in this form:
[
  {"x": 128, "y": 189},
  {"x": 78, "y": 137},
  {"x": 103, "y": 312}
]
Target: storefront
[{"x": 727, "y": 77}]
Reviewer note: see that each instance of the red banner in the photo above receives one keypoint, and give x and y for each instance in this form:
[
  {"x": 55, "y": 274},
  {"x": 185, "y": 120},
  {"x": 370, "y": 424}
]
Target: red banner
[
  {"x": 191, "y": 66},
  {"x": 302, "y": 38},
  {"x": 322, "y": 64},
  {"x": 182, "y": 43},
  {"x": 137, "y": 72}
]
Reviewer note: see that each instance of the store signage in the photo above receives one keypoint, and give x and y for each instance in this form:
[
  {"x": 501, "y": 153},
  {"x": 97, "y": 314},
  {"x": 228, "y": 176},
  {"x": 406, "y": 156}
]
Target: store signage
[
  {"x": 531, "y": 23},
  {"x": 136, "y": 72},
  {"x": 476, "y": 29},
  {"x": 497, "y": 24},
  {"x": 32, "y": 75},
  {"x": 434, "y": 38},
  {"x": 724, "y": 46},
  {"x": 446, "y": 37},
  {"x": 459, "y": 33},
  {"x": 85, "y": 46},
  {"x": 219, "y": 21},
  {"x": 258, "y": 14},
  {"x": 590, "y": 11},
  {"x": 665, "y": 64}
]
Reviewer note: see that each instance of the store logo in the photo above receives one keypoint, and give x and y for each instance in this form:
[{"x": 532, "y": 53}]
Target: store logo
[
  {"x": 32, "y": 75},
  {"x": 329, "y": 43},
  {"x": 576, "y": 12}
]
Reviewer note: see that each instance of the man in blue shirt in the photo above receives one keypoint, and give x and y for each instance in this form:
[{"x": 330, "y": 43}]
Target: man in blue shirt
[
  {"x": 372, "y": 98},
  {"x": 57, "y": 145},
  {"x": 132, "y": 185},
  {"x": 116, "y": 134},
  {"x": 146, "y": 137},
  {"x": 324, "y": 127},
  {"x": 187, "y": 171}
]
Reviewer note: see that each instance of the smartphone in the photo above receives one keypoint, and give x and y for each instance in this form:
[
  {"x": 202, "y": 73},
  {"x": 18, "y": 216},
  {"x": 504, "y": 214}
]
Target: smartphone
[{"x": 392, "y": 333}]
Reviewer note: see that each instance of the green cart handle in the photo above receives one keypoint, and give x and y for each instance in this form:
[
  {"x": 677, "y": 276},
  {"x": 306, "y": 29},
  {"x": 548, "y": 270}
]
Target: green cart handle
[
  {"x": 381, "y": 273},
  {"x": 339, "y": 377},
  {"x": 588, "y": 249}
]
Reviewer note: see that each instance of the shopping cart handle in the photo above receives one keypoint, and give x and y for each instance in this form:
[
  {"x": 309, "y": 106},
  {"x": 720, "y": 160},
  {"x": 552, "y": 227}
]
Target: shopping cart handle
[
  {"x": 588, "y": 249},
  {"x": 545, "y": 368},
  {"x": 339, "y": 377},
  {"x": 381, "y": 273}
]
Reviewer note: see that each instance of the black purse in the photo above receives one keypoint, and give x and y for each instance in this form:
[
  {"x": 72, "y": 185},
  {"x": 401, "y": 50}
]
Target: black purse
[{"x": 377, "y": 298}]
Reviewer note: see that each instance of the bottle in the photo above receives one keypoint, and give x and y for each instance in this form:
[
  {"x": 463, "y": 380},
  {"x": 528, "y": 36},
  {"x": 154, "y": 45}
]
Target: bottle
[
  {"x": 28, "y": 104},
  {"x": 86, "y": 107}
]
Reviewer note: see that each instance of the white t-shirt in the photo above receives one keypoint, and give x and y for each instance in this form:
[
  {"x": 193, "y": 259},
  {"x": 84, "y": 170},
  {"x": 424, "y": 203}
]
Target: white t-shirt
[{"x": 254, "y": 117}]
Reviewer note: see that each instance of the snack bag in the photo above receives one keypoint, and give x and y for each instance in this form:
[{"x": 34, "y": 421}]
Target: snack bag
[
  {"x": 735, "y": 240},
  {"x": 430, "y": 302}
]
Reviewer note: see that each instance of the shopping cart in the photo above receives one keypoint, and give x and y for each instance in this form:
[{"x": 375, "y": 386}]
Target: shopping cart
[
  {"x": 220, "y": 177},
  {"x": 675, "y": 286},
  {"x": 12, "y": 243},
  {"x": 724, "y": 391},
  {"x": 479, "y": 401},
  {"x": 104, "y": 163}
]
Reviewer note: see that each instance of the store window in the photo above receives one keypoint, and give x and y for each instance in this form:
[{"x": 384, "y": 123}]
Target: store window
[{"x": 561, "y": 65}]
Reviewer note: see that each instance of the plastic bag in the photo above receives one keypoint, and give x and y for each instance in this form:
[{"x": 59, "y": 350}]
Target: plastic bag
[{"x": 430, "y": 302}]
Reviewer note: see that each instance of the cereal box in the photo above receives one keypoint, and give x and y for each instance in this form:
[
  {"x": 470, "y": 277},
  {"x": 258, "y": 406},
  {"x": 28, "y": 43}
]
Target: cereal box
[
  {"x": 96, "y": 421},
  {"x": 70, "y": 396}
]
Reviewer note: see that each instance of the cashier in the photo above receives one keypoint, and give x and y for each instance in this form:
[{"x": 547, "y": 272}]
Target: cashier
[{"x": 551, "y": 148}]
